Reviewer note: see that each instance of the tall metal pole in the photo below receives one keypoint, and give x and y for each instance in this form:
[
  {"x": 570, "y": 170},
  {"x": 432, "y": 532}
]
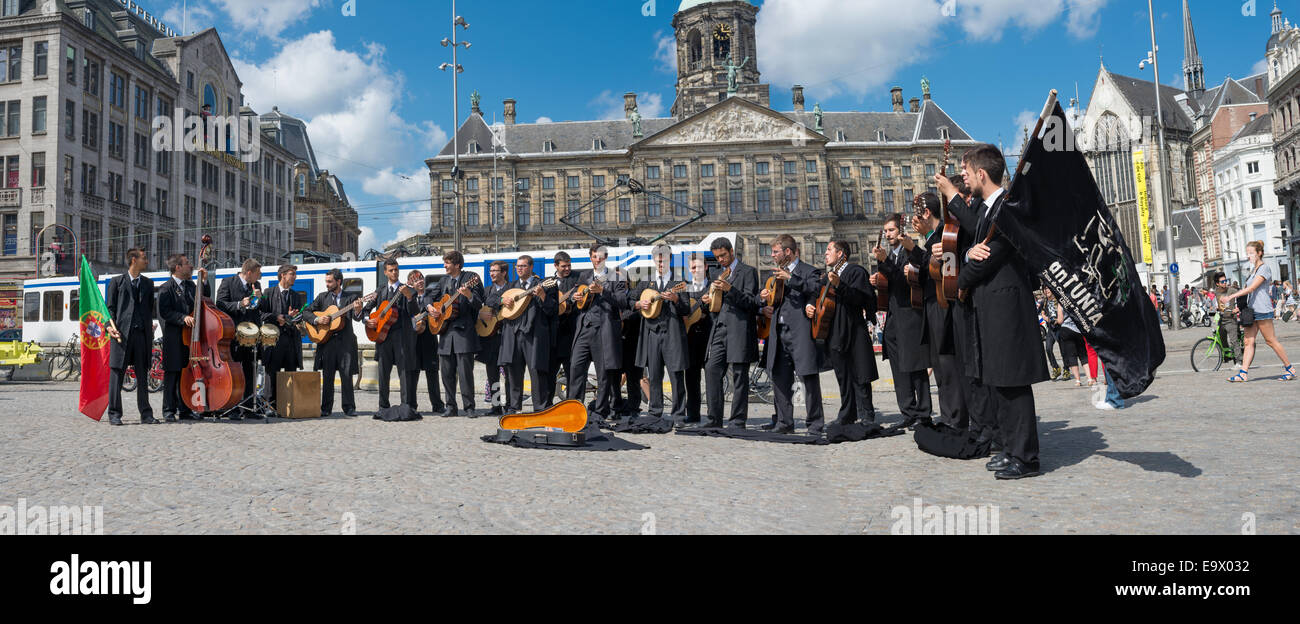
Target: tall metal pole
[
  {"x": 1163, "y": 163},
  {"x": 455, "y": 136}
]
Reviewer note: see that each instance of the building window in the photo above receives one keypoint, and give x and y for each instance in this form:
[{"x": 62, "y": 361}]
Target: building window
[
  {"x": 908, "y": 196},
  {"x": 682, "y": 198},
  {"x": 90, "y": 129},
  {"x": 708, "y": 197},
  {"x": 548, "y": 146},
  {"x": 929, "y": 172},
  {"x": 141, "y": 151},
  {"x": 11, "y": 113},
  {"x": 142, "y": 103},
  {"x": 303, "y": 219},
  {"x": 189, "y": 82},
  {"x": 868, "y": 202},
  {"x": 653, "y": 207},
  {"x": 71, "y": 69},
  {"x": 598, "y": 213},
  {"x": 866, "y": 174},
  {"x": 789, "y": 167},
  {"x": 597, "y": 144},
  {"x": 762, "y": 168},
  {"x": 706, "y": 171},
  {"x": 573, "y": 182},
  {"x": 41, "y": 61},
  {"x": 91, "y": 71},
  {"x": 847, "y": 200},
  {"x": 734, "y": 169},
  {"x": 448, "y": 214},
  {"x": 886, "y": 172},
  {"x": 839, "y": 135},
  {"x": 11, "y": 172},
  {"x": 1252, "y": 167},
  {"x": 38, "y": 170},
  {"x": 652, "y": 172},
  {"x": 89, "y": 19},
  {"x": 810, "y": 166},
  {"x": 814, "y": 198},
  {"x": 68, "y": 166},
  {"x": 524, "y": 184},
  {"x": 548, "y": 183},
  {"x": 548, "y": 212},
  {"x": 448, "y": 186},
  {"x": 11, "y": 63},
  {"x": 763, "y": 200},
  {"x": 473, "y": 147},
  {"x": 498, "y": 184},
  {"x": 679, "y": 171},
  {"x": 791, "y": 199},
  {"x": 38, "y": 115},
  {"x": 573, "y": 207},
  {"x": 160, "y": 201},
  {"x": 598, "y": 181},
  {"x": 889, "y": 201},
  {"x": 907, "y": 171},
  {"x": 624, "y": 210},
  {"x": 1256, "y": 197},
  {"x": 846, "y": 172},
  {"x": 471, "y": 213},
  {"x": 735, "y": 201},
  {"x": 522, "y": 213}
]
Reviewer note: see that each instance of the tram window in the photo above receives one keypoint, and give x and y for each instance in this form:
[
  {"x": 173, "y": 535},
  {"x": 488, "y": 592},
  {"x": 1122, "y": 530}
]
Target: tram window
[
  {"x": 53, "y": 307},
  {"x": 32, "y": 308},
  {"x": 353, "y": 286},
  {"x": 74, "y": 304}
]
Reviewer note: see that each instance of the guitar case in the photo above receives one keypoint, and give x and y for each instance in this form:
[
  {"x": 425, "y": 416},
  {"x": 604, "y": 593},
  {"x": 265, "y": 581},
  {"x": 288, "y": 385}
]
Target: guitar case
[
  {"x": 559, "y": 425},
  {"x": 547, "y": 436}
]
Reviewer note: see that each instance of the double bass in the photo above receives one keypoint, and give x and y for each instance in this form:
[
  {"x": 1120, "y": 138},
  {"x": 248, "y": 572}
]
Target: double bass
[
  {"x": 943, "y": 274},
  {"x": 210, "y": 383}
]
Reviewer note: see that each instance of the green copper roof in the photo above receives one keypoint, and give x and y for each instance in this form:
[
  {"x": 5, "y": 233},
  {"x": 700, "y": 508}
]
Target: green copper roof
[{"x": 690, "y": 4}]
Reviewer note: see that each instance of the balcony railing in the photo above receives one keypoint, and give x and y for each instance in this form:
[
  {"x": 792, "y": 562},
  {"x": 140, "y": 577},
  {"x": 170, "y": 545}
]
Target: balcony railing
[
  {"x": 92, "y": 203},
  {"x": 11, "y": 198},
  {"x": 120, "y": 210},
  {"x": 38, "y": 197}
]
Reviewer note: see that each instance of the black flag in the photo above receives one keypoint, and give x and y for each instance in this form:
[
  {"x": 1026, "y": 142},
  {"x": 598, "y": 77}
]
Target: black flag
[{"x": 1057, "y": 219}]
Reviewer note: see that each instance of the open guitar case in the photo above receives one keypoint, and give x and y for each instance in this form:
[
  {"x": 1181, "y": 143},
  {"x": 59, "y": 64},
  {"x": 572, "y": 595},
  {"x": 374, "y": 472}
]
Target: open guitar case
[{"x": 563, "y": 426}]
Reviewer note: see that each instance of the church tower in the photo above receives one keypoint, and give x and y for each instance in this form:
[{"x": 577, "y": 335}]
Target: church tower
[
  {"x": 1193, "y": 69},
  {"x": 711, "y": 34}
]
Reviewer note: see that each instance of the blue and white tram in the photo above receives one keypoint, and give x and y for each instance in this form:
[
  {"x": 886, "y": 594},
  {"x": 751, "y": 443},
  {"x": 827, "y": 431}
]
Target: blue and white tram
[{"x": 51, "y": 306}]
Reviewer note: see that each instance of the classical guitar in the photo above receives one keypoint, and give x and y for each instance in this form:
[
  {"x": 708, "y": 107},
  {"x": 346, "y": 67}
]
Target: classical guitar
[
  {"x": 516, "y": 300},
  {"x": 775, "y": 288},
  {"x": 825, "y": 313},
  {"x": 913, "y": 272},
  {"x": 656, "y": 300},
  {"x": 944, "y": 267},
  {"x": 882, "y": 282},
  {"x": 336, "y": 317},
  {"x": 445, "y": 306},
  {"x": 385, "y": 316}
]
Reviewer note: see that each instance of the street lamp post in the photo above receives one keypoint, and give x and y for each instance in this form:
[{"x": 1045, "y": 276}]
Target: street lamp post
[
  {"x": 456, "y": 70},
  {"x": 1170, "y": 254}
]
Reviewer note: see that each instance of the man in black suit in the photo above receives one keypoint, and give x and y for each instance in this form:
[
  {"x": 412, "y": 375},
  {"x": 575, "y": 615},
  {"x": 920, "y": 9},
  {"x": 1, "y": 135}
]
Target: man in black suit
[
  {"x": 938, "y": 334},
  {"x": 176, "y": 310},
  {"x": 458, "y": 342},
  {"x": 697, "y": 336},
  {"x": 733, "y": 341},
  {"x": 662, "y": 343},
  {"x": 426, "y": 354},
  {"x": 490, "y": 346},
  {"x": 598, "y": 337},
  {"x": 282, "y": 304},
  {"x": 909, "y": 359},
  {"x": 526, "y": 340},
  {"x": 398, "y": 348},
  {"x": 564, "y": 323},
  {"x": 1010, "y": 349},
  {"x": 790, "y": 349},
  {"x": 239, "y": 296},
  {"x": 629, "y": 405},
  {"x": 850, "y": 346},
  {"x": 130, "y": 301},
  {"x": 337, "y": 356}
]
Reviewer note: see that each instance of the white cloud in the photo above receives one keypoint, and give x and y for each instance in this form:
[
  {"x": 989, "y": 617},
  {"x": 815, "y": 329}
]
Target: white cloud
[
  {"x": 1024, "y": 122},
  {"x": 1259, "y": 67},
  {"x": 367, "y": 240},
  {"x": 267, "y": 17},
  {"x": 666, "y": 51},
  {"x": 404, "y": 186},
  {"x": 198, "y": 17},
  {"x": 409, "y": 224},
  {"x": 609, "y": 106},
  {"x": 858, "y": 47},
  {"x": 544, "y": 120}
]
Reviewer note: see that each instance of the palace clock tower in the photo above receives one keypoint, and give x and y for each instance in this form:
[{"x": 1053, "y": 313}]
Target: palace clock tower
[{"x": 715, "y": 45}]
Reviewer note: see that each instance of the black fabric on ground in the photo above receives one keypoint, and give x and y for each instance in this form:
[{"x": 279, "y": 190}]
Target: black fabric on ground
[
  {"x": 640, "y": 424},
  {"x": 597, "y": 440},
  {"x": 944, "y": 441},
  {"x": 397, "y": 413},
  {"x": 835, "y": 434}
]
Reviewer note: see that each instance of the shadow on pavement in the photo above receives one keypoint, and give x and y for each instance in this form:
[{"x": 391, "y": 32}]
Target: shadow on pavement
[
  {"x": 1163, "y": 461},
  {"x": 1064, "y": 446}
]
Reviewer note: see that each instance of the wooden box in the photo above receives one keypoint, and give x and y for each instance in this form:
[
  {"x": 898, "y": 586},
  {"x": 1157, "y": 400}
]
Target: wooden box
[{"x": 297, "y": 395}]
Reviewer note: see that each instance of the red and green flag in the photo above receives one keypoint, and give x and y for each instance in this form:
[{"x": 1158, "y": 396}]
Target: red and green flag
[{"x": 94, "y": 345}]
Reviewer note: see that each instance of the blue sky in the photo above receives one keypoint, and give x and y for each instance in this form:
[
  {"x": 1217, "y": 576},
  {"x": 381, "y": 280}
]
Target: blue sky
[{"x": 377, "y": 106}]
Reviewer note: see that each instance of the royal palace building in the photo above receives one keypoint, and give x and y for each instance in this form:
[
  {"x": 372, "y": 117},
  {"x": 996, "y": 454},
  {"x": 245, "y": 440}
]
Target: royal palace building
[{"x": 725, "y": 151}]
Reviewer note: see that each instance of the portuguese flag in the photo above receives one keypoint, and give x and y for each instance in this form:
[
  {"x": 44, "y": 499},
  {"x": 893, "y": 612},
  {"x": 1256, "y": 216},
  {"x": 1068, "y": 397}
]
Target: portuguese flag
[{"x": 94, "y": 346}]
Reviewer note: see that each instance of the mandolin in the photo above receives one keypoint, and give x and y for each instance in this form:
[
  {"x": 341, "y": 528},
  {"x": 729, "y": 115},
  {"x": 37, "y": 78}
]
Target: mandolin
[
  {"x": 582, "y": 294},
  {"x": 775, "y": 288},
  {"x": 656, "y": 300},
  {"x": 445, "y": 306},
  {"x": 319, "y": 334},
  {"x": 213, "y": 383},
  {"x": 821, "y": 323},
  {"x": 715, "y": 293},
  {"x": 516, "y": 300}
]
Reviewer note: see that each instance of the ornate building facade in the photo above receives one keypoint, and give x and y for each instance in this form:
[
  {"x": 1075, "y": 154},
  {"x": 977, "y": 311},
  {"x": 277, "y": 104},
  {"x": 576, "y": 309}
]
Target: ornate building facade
[
  {"x": 1283, "y": 56},
  {"x": 753, "y": 170}
]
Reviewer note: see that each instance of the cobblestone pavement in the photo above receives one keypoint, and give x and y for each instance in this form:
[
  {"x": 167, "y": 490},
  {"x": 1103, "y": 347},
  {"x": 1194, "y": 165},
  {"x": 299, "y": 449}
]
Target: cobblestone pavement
[{"x": 1194, "y": 455}]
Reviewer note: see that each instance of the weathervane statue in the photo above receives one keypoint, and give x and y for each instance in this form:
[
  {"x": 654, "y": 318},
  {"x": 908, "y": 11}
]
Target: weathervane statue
[{"x": 732, "y": 68}]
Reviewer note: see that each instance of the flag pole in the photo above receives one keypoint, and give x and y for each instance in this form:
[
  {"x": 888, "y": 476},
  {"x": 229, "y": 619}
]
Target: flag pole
[{"x": 1047, "y": 110}]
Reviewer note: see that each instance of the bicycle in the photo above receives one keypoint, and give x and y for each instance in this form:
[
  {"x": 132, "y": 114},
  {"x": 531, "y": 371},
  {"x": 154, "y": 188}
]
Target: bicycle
[
  {"x": 156, "y": 372},
  {"x": 1210, "y": 352},
  {"x": 66, "y": 360}
]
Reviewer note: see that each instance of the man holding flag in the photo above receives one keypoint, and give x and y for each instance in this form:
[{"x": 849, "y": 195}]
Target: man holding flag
[{"x": 130, "y": 301}]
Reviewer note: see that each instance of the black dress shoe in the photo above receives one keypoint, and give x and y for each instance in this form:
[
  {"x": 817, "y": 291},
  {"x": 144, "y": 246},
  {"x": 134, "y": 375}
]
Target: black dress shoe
[
  {"x": 451, "y": 413},
  {"x": 736, "y": 424},
  {"x": 350, "y": 413},
  {"x": 1002, "y": 460},
  {"x": 191, "y": 416},
  {"x": 148, "y": 420},
  {"x": 471, "y": 413},
  {"x": 115, "y": 421},
  {"x": 170, "y": 418},
  {"x": 700, "y": 426},
  {"x": 786, "y": 430},
  {"x": 768, "y": 427},
  {"x": 1017, "y": 469}
]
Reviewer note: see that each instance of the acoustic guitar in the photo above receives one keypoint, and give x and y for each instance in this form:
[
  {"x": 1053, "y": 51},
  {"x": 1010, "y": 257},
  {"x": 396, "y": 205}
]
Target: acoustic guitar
[
  {"x": 945, "y": 276},
  {"x": 566, "y": 301},
  {"x": 486, "y": 328},
  {"x": 775, "y": 288},
  {"x": 444, "y": 306},
  {"x": 656, "y": 300},
  {"x": 825, "y": 314},
  {"x": 715, "y": 293},
  {"x": 516, "y": 300},
  {"x": 385, "y": 315},
  {"x": 319, "y": 334},
  {"x": 882, "y": 282},
  {"x": 912, "y": 272}
]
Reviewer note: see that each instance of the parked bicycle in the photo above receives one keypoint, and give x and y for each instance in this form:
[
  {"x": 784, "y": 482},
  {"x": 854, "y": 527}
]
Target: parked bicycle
[
  {"x": 66, "y": 360},
  {"x": 156, "y": 372},
  {"x": 1209, "y": 353}
]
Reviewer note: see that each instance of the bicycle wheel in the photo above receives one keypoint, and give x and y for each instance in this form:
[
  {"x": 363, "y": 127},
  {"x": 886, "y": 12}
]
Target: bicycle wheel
[
  {"x": 128, "y": 379},
  {"x": 1207, "y": 355},
  {"x": 156, "y": 374},
  {"x": 61, "y": 367}
]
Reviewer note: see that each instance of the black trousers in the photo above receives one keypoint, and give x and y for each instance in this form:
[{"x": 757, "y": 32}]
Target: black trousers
[
  {"x": 714, "y": 367},
  {"x": 249, "y": 367},
  {"x": 173, "y": 405},
  {"x": 1049, "y": 341},
  {"x": 587, "y": 350},
  {"x": 1017, "y": 421},
  {"x": 952, "y": 390},
  {"x": 782, "y": 374},
  {"x": 553, "y": 375},
  {"x": 457, "y": 367},
  {"x": 982, "y": 411},
  {"x": 515, "y": 386},
  {"x": 692, "y": 377},
  {"x": 677, "y": 381},
  {"x": 855, "y": 391},
  {"x": 328, "y": 374},
  {"x": 433, "y": 382},
  {"x": 385, "y": 363},
  {"x": 913, "y": 392},
  {"x": 138, "y": 351}
]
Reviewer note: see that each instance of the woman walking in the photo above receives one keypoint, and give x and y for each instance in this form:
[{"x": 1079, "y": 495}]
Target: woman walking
[{"x": 1261, "y": 305}]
